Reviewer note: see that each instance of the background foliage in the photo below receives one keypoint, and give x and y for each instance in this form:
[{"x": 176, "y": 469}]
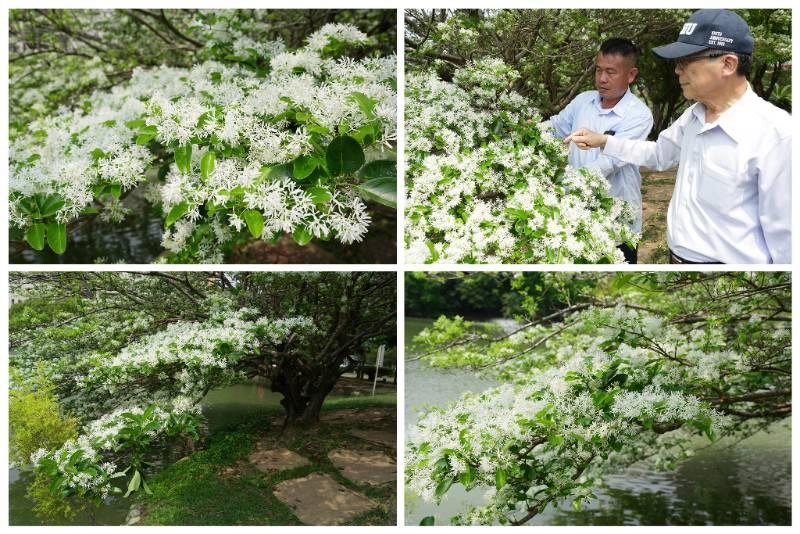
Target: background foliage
[{"x": 554, "y": 50}]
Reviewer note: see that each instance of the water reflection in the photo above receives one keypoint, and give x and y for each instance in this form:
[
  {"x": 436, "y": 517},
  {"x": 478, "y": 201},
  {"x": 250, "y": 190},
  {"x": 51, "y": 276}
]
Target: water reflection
[
  {"x": 137, "y": 239},
  {"x": 749, "y": 484}
]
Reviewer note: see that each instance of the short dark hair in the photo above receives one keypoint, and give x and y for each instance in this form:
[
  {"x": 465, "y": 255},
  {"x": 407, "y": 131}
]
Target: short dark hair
[
  {"x": 745, "y": 64},
  {"x": 620, "y": 46}
]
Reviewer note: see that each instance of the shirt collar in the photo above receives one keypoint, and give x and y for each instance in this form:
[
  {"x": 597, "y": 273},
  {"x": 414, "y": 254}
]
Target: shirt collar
[
  {"x": 734, "y": 121},
  {"x": 619, "y": 108}
]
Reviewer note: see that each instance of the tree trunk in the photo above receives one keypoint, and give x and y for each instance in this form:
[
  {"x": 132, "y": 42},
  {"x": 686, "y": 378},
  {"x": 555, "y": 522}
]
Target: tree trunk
[{"x": 302, "y": 398}]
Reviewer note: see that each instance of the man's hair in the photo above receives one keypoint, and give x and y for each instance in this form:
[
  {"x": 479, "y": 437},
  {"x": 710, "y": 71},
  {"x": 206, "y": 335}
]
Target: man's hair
[
  {"x": 622, "y": 47},
  {"x": 745, "y": 63}
]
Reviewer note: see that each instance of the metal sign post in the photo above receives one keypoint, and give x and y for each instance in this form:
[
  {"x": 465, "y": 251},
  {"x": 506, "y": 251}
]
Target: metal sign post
[{"x": 378, "y": 364}]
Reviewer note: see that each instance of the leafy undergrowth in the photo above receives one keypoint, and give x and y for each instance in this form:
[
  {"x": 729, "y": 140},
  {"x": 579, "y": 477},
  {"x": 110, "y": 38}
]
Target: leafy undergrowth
[{"x": 219, "y": 486}]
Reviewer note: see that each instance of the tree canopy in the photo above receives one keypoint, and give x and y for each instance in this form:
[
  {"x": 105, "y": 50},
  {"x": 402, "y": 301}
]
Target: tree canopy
[
  {"x": 131, "y": 355},
  {"x": 554, "y": 50},
  {"x": 634, "y": 369}
]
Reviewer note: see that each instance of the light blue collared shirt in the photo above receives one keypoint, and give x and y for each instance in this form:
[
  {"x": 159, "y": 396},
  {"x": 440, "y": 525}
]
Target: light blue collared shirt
[{"x": 630, "y": 118}]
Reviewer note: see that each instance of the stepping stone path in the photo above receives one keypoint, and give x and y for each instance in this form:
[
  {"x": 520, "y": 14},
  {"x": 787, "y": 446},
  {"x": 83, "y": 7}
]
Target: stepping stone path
[
  {"x": 318, "y": 499},
  {"x": 387, "y": 438},
  {"x": 370, "y": 467},
  {"x": 276, "y": 460}
]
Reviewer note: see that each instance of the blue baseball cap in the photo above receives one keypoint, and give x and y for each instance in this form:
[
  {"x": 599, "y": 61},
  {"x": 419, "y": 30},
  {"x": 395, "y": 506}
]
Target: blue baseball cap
[{"x": 710, "y": 28}]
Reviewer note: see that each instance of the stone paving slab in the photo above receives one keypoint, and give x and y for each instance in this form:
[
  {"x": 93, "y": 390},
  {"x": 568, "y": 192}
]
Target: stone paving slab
[
  {"x": 276, "y": 460},
  {"x": 387, "y": 438},
  {"x": 318, "y": 499},
  {"x": 370, "y": 467}
]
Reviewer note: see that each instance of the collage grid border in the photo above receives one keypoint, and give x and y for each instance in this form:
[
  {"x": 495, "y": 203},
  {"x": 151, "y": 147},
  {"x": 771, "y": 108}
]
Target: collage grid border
[{"x": 400, "y": 268}]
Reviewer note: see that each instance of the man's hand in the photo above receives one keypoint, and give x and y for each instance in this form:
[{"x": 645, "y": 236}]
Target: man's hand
[{"x": 586, "y": 139}]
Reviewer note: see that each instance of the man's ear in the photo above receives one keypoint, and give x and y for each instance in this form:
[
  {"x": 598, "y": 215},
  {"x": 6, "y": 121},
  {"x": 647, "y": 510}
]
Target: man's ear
[
  {"x": 729, "y": 64},
  {"x": 632, "y": 75}
]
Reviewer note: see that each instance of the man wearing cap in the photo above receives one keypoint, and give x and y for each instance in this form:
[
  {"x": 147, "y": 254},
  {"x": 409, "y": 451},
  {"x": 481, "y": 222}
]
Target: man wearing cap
[
  {"x": 732, "y": 198},
  {"x": 615, "y": 110}
]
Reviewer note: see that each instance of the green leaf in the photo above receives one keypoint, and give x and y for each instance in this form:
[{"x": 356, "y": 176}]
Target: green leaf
[
  {"x": 467, "y": 477},
  {"x": 183, "y": 158},
  {"x": 303, "y": 166},
  {"x": 301, "y": 235},
  {"x": 365, "y": 134},
  {"x": 379, "y": 168},
  {"x": 380, "y": 190},
  {"x": 29, "y": 206},
  {"x": 133, "y": 485},
  {"x": 500, "y": 477},
  {"x": 177, "y": 211},
  {"x": 57, "y": 237},
  {"x": 319, "y": 195},
  {"x": 517, "y": 213},
  {"x": 50, "y": 204},
  {"x": 443, "y": 486},
  {"x": 344, "y": 156},
  {"x": 207, "y": 164},
  {"x": 115, "y": 190},
  {"x": 134, "y": 124},
  {"x": 365, "y": 104},
  {"x": 34, "y": 235},
  {"x": 316, "y": 128},
  {"x": 276, "y": 172},
  {"x": 146, "y": 488},
  {"x": 576, "y": 505},
  {"x": 427, "y": 521},
  {"x": 146, "y": 134},
  {"x": 255, "y": 222}
]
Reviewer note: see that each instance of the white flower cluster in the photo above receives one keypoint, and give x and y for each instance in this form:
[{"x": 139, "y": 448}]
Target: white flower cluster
[
  {"x": 249, "y": 122},
  {"x": 343, "y": 33},
  {"x": 72, "y": 152},
  {"x": 487, "y": 183},
  {"x": 560, "y": 416},
  {"x": 79, "y": 466}
]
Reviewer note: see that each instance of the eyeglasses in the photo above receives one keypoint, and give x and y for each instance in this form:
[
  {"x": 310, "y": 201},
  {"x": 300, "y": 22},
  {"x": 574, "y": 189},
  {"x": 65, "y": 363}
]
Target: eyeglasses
[{"x": 684, "y": 61}]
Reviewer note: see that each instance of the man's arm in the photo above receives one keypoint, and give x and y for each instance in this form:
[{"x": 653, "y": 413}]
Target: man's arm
[
  {"x": 637, "y": 128},
  {"x": 659, "y": 155},
  {"x": 775, "y": 200},
  {"x": 562, "y": 122}
]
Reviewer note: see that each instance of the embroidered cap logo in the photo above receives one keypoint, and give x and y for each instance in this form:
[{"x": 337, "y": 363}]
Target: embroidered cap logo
[{"x": 688, "y": 28}]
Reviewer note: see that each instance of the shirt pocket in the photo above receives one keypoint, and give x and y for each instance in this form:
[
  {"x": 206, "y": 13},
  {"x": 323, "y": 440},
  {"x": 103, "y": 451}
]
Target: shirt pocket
[{"x": 721, "y": 185}]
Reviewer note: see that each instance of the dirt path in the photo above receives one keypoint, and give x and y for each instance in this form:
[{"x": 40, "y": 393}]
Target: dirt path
[{"x": 656, "y": 193}]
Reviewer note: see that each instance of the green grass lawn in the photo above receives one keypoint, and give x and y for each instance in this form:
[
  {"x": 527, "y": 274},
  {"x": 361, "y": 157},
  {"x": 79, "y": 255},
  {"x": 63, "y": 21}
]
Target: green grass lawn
[{"x": 218, "y": 486}]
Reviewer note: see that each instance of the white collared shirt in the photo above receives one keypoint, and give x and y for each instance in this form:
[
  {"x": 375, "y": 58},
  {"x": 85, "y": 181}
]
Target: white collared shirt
[
  {"x": 733, "y": 193},
  {"x": 630, "y": 118}
]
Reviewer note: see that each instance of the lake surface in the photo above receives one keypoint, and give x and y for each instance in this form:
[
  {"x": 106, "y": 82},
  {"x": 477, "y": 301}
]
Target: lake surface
[{"x": 748, "y": 483}]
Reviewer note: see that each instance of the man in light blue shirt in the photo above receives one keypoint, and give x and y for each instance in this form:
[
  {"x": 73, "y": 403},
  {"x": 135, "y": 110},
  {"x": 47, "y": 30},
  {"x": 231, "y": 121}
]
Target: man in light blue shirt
[{"x": 612, "y": 109}]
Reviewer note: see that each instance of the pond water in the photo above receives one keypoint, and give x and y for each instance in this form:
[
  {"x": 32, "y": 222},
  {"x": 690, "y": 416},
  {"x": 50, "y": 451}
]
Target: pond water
[
  {"x": 137, "y": 239},
  {"x": 747, "y": 483},
  {"x": 222, "y": 408}
]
